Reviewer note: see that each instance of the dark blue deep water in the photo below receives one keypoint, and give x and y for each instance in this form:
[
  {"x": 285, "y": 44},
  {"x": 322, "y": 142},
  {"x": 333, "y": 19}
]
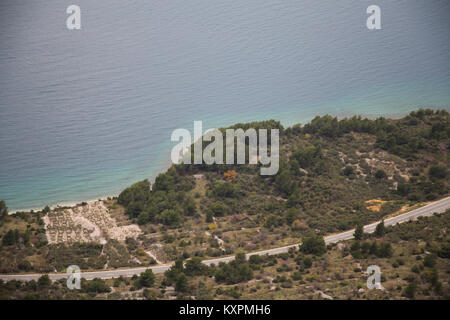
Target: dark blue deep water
[{"x": 85, "y": 113}]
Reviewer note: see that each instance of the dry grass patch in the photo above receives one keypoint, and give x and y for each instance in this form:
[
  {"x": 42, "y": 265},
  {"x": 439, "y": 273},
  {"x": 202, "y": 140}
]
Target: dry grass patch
[{"x": 375, "y": 204}]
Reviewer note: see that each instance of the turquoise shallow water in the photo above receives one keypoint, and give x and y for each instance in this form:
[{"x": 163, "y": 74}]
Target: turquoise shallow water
[{"x": 83, "y": 114}]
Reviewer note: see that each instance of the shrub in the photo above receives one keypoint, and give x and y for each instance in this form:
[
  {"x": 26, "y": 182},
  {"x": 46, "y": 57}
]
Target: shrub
[
  {"x": 410, "y": 290},
  {"x": 291, "y": 215},
  {"x": 219, "y": 209},
  {"x": 380, "y": 174},
  {"x": 429, "y": 261},
  {"x": 235, "y": 271},
  {"x": 437, "y": 172},
  {"x": 44, "y": 281},
  {"x": 380, "y": 229},
  {"x": 384, "y": 250},
  {"x": 444, "y": 251},
  {"x": 212, "y": 226},
  {"x": 307, "y": 262},
  {"x": 146, "y": 278},
  {"x": 225, "y": 190},
  {"x": 348, "y": 170},
  {"x": 11, "y": 237},
  {"x": 359, "y": 232},
  {"x": 171, "y": 217},
  {"x": 3, "y": 210},
  {"x": 195, "y": 267},
  {"x": 297, "y": 276},
  {"x": 313, "y": 245},
  {"x": 299, "y": 225},
  {"x": 97, "y": 286},
  {"x": 181, "y": 284}
]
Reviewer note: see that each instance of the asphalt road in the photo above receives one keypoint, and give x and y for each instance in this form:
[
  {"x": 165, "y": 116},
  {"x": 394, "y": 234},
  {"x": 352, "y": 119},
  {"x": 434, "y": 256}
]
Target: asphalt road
[{"x": 436, "y": 207}]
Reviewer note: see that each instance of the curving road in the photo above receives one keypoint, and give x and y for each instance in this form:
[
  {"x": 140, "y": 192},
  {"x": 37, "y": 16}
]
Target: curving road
[{"x": 439, "y": 206}]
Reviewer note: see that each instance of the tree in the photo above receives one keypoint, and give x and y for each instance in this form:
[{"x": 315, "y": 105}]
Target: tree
[
  {"x": 295, "y": 198},
  {"x": 294, "y": 167},
  {"x": 117, "y": 282},
  {"x": 384, "y": 250},
  {"x": 359, "y": 232},
  {"x": 348, "y": 170},
  {"x": 172, "y": 274},
  {"x": 225, "y": 190},
  {"x": 255, "y": 259},
  {"x": 97, "y": 286},
  {"x": 380, "y": 229},
  {"x": 149, "y": 294},
  {"x": 189, "y": 207},
  {"x": 143, "y": 218},
  {"x": 429, "y": 261},
  {"x": 171, "y": 217},
  {"x": 307, "y": 156},
  {"x": 324, "y": 126},
  {"x": 181, "y": 285},
  {"x": 444, "y": 251},
  {"x": 273, "y": 221},
  {"x": 410, "y": 290},
  {"x": 380, "y": 174},
  {"x": 403, "y": 189},
  {"x": 167, "y": 181},
  {"x": 219, "y": 209},
  {"x": 291, "y": 215},
  {"x": 138, "y": 192},
  {"x": 437, "y": 172},
  {"x": 203, "y": 292},
  {"x": 44, "y": 281},
  {"x": 236, "y": 271},
  {"x": 195, "y": 267},
  {"x": 240, "y": 258},
  {"x": 3, "y": 210},
  {"x": 146, "y": 278},
  {"x": 209, "y": 216},
  {"x": 26, "y": 237},
  {"x": 307, "y": 262},
  {"x": 284, "y": 183},
  {"x": 313, "y": 245},
  {"x": 11, "y": 237}
]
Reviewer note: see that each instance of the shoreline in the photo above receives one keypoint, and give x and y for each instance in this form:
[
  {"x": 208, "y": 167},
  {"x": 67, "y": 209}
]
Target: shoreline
[
  {"x": 74, "y": 203},
  {"x": 69, "y": 204},
  {"x": 168, "y": 162}
]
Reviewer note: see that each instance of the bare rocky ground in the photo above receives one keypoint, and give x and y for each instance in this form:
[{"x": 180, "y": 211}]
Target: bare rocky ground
[{"x": 91, "y": 222}]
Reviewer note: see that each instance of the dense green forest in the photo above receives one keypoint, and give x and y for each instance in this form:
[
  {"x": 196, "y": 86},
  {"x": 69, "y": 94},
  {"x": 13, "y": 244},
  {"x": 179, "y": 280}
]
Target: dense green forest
[{"x": 328, "y": 167}]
